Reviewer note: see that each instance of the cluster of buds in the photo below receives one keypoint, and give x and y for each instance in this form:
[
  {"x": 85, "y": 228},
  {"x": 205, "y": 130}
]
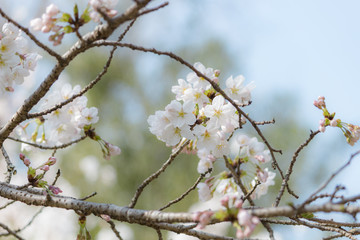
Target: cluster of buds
[
  {"x": 350, "y": 131},
  {"x": 35, "y": 178},
  {"x": 49, "y": 22}
]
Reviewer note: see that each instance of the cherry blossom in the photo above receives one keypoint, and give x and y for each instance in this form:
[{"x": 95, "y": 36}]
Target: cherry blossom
[
  {"x": 179, "y": 114},
  {"x": 199, "y": 82},
  {"x": 16, "y": 61},
  {"x": 239, "y": 93},
  {"x": 219, "y": 112},
  {"x": 204, "y": 192}
]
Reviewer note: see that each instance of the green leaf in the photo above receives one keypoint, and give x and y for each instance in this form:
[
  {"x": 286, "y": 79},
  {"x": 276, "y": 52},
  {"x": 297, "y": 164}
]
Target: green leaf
[
  {"x": 76, "y": 10},
  {"x": 68, "y": 29},
  {"x": 85, "y": 17},
  {"x": 221, "y": 215},
  {"x": 31, "y": 173},
  {"x": 41, "y": 184},
  {"x": 66, "y": 18}
]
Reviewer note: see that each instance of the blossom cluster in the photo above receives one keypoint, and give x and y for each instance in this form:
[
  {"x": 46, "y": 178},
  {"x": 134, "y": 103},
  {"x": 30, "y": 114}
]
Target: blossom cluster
[
  {"x": 64, "y": 124},
  {"x": 209, "y": 121},
  {"x": 16, "y": 61},
  {"x": 350, "y": 131}
]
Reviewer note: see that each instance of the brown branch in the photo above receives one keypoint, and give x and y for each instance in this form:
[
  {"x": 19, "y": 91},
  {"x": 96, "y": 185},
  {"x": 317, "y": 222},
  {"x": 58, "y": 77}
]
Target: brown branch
[
  {"x": 26, "y": 226},
  {"x": 48, "y": 147},
  {"x": 159, "y": 234},
  {"x": 113, "y": 228},
  {"x": 7, "y": 204},
  {"x": 353, "y": 231},
  {"x": 10, "y": 167},
  {"x": 36, "y": 197},
  {"x": 326, "y": 183},
  {"x": 11, "y": 232},
  {"x": 326, "y": 228},
  {"x": 88, "y": 196},
  {"x": 156, "y": 174},
  {"x": 334, "y": 223},
  {"x": 201, "y": 177},
  {"x": 146, "y": 11},
  {"x": 292, "y": 163},
  {"x": 265, "y": 122},
  {"x": 82, "y": 92}
]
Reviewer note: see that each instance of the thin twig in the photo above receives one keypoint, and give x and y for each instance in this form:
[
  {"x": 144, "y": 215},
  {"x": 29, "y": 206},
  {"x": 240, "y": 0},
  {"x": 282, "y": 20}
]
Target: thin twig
[
  {"x": 113, "y": 228},
  {"x": 159, "y": 234},
  {"x": 252, "y": 190},
  {"x": 7, "y": 204},
  {"x": 156, "y": 174},
  {"x": 265, "y": 122},
  {"x": 58, "y": 173},
  {"x": 10, "y": 167},
  {"x": 88, "y": 196},
  {"x": 333, "y": 223},
  {"x": 48, "y": 147},
  {"x": 290, "y": 169},
  {"x": 146, "y": 11},
  {"x": 353, "y": 231},
  {"x": 331, "y": 178},
  {"x": 326, "y": 228},
  {"x": 201, "y": 177},
  {"x": 11, "y": 232},
  {"x": 82, "y": 92},
  {"x": 31, "y": 220}
]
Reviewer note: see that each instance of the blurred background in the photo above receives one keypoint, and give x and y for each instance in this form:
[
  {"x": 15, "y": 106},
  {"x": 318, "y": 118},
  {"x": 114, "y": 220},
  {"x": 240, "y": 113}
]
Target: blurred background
[{"x": 294, "y": 51}]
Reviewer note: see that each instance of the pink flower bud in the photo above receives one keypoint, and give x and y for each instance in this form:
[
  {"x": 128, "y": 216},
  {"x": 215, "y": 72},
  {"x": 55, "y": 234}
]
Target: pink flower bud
[
  {"x": 322, "y": 122},
  {"x": 205, "y": 219},
  {"x": 51, "y": 161},
  {"x": 9, "y": 89},
  {"x": 22, "y": 156},
  {"x": 45, "y": 168},
  {"x": 111, "y": 13},
  {"x": 27, "y": 162},
  {"x": 238, "y": 203},
  {"x": 52, "y": 10},
  {"x": 334, "y": 122},
  {"x": 225, "y": 201},
  {"x": 322, "y": 128},
  {"x": 55, "y": 190}
]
